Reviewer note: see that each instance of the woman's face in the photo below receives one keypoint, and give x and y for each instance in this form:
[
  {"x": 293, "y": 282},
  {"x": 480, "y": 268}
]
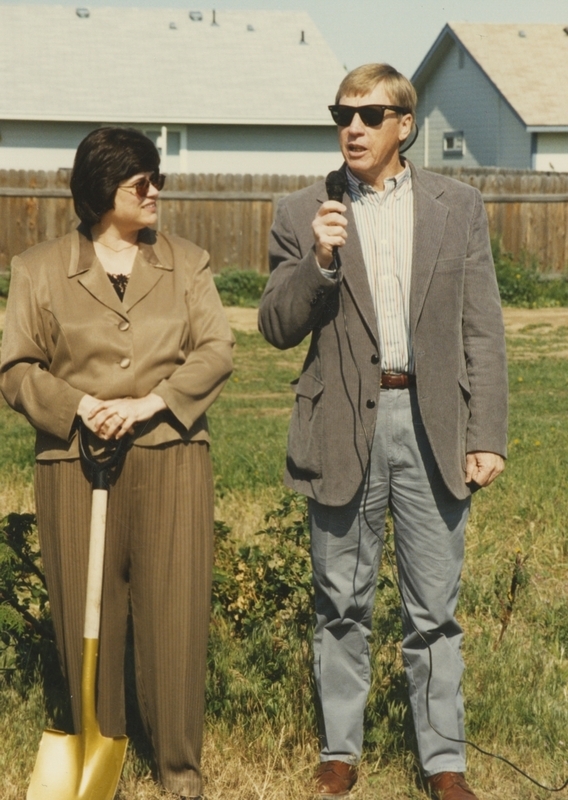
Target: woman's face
[{"x": 135, "y": 204}]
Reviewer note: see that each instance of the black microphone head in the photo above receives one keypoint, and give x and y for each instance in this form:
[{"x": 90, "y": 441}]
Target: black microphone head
[{"x": 336, "y": 185}]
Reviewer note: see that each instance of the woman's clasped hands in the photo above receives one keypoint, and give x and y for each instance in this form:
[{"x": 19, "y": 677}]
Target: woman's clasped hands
[{"x": 113, "y": 419}]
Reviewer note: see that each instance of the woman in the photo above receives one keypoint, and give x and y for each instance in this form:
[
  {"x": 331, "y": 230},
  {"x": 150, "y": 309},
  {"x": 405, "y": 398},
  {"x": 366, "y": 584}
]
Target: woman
[{"x": 122, "y": 327}]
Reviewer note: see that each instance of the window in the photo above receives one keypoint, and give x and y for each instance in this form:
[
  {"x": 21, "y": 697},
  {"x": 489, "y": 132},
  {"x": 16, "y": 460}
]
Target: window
[
  {"x": 154, "y": 136},
  {"x": 170, "y": 143},
  {"x": 454, "y": 143},
  {"x": 173, "y": 143}
]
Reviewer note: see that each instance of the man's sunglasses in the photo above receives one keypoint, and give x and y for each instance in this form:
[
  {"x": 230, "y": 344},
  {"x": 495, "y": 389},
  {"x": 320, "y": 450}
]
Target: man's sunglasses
[
  {"x": 142, "y": 186},
  {"x": 371, "y": 116}
]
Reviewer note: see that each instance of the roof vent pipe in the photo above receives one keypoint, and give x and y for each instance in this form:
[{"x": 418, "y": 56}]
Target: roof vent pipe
[
  {"x": 214, "y": 21},
  {"x": 82, "y": 13},
  {"x": 195, "y": 16},
  {"x": 565, "y": 30},
  {"x": 303, "y": 38}
]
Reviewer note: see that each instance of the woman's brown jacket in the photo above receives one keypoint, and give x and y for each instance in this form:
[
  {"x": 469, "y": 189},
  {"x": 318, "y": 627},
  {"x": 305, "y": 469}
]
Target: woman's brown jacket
[{"x": 68, "y": 334}]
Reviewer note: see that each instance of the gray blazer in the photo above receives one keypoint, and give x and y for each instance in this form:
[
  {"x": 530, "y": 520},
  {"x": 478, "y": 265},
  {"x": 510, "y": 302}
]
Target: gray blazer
[{"x": 457, "y": 333}]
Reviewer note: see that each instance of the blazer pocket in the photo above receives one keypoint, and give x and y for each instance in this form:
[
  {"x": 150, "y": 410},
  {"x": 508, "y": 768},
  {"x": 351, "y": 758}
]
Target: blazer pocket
[
  {"x": 450, "y": 264},
  {"x": 306, "y": 427}
]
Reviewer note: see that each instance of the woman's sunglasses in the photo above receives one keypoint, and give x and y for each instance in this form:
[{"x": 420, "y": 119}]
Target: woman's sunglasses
[
  {"x": 371, "y": 116},
  {"x": 142, "y": 186}
]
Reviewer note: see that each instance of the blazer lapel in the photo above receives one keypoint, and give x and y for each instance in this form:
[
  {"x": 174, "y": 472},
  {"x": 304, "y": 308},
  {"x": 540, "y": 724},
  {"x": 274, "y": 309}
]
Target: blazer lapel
[
  {"x": 353, "y": 270},
  {"x": 91, "y": 274},
  {"x": 146, "y": 273},
  {"x": 429, "y": 226}
]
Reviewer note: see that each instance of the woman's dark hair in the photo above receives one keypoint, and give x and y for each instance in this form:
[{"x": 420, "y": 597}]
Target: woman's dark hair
[{"x": 105, "y": 158}]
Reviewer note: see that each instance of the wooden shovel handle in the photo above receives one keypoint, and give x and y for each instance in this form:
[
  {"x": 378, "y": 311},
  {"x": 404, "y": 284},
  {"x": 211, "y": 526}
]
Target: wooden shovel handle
[
  {"x": 96, "y": 564},
  {"x": 99, "y": 469}
]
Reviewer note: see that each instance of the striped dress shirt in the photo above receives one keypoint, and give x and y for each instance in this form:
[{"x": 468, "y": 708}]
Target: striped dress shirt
[{"x": 385, "y": 226}]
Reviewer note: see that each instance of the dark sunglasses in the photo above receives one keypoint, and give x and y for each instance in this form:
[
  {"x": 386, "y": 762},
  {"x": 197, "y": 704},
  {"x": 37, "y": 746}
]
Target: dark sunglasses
[
  {"x": 371, "y": 116},
  {"x": 142, "y": 186}
]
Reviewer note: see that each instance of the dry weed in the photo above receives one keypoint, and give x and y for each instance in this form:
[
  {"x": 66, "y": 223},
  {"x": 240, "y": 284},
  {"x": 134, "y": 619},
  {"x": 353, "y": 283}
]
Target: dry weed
[
  {"x": 16, "y": 494},
  {"x": 244, "y": 511}
]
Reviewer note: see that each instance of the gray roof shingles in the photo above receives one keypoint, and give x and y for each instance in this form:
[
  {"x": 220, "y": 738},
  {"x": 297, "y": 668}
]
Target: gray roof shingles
[
  {"x": 527, "y": 63},
  {"x": 131, "y": 65}
]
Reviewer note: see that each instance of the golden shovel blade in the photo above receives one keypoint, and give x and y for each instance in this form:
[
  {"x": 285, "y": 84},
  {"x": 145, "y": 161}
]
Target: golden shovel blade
[
  {"x": 85, "y": 766},
  {"x": 66, "y": 769}
]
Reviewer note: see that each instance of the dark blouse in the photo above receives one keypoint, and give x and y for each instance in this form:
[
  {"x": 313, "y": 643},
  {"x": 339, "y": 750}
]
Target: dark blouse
[{"x": 119, "y": 283}]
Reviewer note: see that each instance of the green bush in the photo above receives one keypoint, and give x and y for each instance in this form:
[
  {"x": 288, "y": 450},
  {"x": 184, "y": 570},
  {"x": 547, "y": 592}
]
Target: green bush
[
  {"x": 262, "y": 616},
  {"x": 240, "y": 287},
  {"x": 522, "y": 285},
  {"x": 25, "y": 624},
  {"x": 268, "y": 582}
]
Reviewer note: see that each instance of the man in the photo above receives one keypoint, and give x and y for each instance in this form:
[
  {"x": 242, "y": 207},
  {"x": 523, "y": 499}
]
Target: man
[{"x": 401, "y": 404}]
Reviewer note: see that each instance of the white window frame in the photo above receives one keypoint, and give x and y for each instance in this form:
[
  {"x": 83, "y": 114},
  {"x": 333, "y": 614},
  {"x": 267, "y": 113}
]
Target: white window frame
[
  {"x": 454, "y": 143},
  {"x": 162, "y": 143}
]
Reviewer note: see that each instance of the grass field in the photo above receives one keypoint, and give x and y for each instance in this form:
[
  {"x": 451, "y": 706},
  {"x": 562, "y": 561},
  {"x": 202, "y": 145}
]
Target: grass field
[{"x": 260, "y": 742}]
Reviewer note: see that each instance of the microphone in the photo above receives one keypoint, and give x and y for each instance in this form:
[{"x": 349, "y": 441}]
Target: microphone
[{"x": 336, "y": 186}]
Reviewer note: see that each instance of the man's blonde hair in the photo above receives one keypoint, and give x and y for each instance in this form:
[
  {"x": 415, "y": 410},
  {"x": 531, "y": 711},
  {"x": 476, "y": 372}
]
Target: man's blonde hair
[{"x": 363, "y": 80}]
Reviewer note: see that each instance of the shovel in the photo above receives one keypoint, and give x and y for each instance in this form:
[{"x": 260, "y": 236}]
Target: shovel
[{"x": 85, "y": 766}]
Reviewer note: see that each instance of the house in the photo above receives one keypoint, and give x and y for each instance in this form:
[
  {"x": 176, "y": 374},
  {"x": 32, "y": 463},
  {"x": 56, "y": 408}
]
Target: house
[
  {"x": 223, "y": 92},
  {"x": 494, "y": 96}
]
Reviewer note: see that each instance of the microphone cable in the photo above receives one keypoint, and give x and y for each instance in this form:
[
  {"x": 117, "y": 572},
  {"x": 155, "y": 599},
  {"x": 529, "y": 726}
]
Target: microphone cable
[{"x": 394, "y": 572}]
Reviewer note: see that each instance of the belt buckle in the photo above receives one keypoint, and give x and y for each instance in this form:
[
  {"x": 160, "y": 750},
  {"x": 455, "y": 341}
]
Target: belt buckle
[{"x": 395, "y": 380}]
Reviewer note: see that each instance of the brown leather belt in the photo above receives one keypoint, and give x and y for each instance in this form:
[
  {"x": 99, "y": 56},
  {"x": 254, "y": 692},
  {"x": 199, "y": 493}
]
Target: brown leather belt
[{"x": 397, "y": 380}]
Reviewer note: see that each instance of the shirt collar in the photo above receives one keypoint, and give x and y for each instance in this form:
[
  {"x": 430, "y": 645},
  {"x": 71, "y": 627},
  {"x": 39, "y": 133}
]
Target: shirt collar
[{"x": 399, "y": 184}]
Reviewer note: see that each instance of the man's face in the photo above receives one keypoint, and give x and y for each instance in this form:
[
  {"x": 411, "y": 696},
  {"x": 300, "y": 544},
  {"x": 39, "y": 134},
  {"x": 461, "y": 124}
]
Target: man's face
[{"x": 371, "y": 153}]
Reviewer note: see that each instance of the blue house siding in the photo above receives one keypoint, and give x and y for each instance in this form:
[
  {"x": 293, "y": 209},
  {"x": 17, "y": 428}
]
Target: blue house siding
[{"x": 454, "y": 95}]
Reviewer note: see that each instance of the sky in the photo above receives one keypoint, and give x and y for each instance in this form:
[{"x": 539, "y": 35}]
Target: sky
[{"x": 399, "y": 32}]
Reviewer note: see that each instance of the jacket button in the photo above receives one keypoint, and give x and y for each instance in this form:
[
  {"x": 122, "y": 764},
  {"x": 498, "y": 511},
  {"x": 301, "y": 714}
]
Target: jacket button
[
  {"x": 374, "y": 359},
  {"x": 371, "y": 404},
  {"x": 124, "y": 325},
  {"x": 125, "y": 363}
]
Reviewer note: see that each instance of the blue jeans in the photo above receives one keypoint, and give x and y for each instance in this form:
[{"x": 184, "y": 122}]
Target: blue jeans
[{"x": 346, "y": 543}]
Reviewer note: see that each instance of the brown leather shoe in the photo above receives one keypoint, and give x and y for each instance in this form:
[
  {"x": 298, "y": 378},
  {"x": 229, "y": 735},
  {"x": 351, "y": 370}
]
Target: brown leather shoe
[
  {"x": 450, "y": 786},
  {"x": 334, "y": 779}
]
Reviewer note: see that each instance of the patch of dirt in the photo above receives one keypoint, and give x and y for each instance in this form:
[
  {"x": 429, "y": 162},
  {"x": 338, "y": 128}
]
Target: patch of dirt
[
  {"x": 242, "y": 319},
  {"x": 246, "y": 319},
  {"x": 518, "y": 318},
  {"x": 536, "y": 332},
  {"x": 262, "y": 396}
]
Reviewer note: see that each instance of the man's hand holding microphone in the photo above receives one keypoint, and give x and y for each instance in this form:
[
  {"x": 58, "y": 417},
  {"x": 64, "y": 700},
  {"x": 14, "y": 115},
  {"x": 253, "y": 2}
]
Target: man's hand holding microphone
[{"x": 330, "y": 226}]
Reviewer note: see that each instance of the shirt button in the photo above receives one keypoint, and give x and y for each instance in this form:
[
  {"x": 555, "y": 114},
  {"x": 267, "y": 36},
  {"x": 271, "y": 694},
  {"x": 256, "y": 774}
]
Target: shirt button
[
  {"x": 371, "y": 403},
  {"x": 125, "y": 363},
  {"x": 124, "y": 325}
]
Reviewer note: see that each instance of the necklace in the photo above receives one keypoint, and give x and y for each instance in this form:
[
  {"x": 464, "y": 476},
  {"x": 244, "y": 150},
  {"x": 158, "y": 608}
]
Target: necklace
[{"x": 114, "y": 250}]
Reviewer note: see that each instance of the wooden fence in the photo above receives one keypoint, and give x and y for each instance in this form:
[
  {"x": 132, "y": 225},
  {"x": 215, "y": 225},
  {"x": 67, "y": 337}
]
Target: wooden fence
[
  {"x": 528, "y": 211},
  {"x": 230, "y": 215}
]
